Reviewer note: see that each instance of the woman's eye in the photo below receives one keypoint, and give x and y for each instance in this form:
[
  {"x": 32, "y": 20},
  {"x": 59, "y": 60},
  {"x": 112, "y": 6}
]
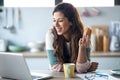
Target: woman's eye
[
  {"x": 54, "y": 20},
  {"x": 60, "y": 20}
]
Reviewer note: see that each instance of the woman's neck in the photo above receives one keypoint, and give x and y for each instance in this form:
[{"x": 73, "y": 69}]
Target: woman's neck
[{"x": 67, "y": 37}]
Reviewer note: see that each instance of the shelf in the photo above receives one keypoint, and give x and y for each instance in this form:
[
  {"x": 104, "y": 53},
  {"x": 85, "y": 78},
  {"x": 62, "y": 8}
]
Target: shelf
[
  {"x": 95, "y": 54},
  {"x": 44, "y": 55},
  {"x": 105, "y": 54}
]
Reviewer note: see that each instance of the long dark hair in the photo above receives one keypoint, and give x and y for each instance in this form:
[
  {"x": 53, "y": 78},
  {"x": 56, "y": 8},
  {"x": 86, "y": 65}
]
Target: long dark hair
[{"x": 76, "y": 32}]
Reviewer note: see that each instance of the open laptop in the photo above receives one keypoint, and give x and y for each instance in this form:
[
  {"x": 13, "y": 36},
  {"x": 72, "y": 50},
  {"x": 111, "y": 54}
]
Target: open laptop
[{"x": 14, "y": 66}]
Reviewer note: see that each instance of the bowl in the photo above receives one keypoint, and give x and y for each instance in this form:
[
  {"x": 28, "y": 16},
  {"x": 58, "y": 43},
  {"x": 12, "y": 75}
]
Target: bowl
[
  {"x": 15, "y": 48},
  {"x": 36, "y": 46}
]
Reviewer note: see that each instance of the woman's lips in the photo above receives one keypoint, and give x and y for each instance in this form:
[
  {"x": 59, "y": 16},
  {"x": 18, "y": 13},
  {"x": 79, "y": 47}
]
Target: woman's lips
[{"x": 58, "y": 29}]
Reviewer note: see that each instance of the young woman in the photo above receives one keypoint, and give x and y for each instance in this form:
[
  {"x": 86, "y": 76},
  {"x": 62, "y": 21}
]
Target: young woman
[{"x": 65, "y": 41}]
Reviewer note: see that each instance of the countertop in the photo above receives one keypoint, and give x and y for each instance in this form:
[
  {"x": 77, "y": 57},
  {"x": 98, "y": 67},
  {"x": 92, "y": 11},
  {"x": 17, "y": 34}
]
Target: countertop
[
  {"x": 44, "y": 55},
  {"x": 77, "y": 76}
]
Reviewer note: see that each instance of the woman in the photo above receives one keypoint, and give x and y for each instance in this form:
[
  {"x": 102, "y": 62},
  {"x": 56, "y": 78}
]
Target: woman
[{"x": 65, "y": 42}]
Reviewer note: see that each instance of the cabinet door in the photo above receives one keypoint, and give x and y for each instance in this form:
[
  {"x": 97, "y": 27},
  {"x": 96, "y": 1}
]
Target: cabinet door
[
  {"x": 37, "y": 63},
  {"x": 107, "y": 62}
]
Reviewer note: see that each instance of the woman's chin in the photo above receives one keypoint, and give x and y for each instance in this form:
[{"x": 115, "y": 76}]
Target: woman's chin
[{"x": 59, "y": 33}]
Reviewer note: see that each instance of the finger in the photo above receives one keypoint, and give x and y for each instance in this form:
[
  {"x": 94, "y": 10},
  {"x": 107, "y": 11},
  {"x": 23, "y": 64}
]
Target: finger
[
  {"x": 55, "y": 66},
  {"x": 84, "y": 41},
  {"x": 87, "y": 39},
  {"x": 94, "y": 68},
  {"x": 81, "y": 42},
  {"x": 58, "y": 68},
  {"x": 84, "y": 38},
  {"x": 95, "y": 63}
]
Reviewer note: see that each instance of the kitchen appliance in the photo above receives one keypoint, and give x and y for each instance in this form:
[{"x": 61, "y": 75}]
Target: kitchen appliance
[
  {"x": 114, "y": 46},
  {"x": 93, "y": 42},
  {"x": 115, "y": 43}
]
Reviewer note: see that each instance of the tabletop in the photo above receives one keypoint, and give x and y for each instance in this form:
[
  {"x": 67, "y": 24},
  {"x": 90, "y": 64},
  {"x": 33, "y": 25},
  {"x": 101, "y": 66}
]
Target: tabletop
[{"x": 80, "y": 76}]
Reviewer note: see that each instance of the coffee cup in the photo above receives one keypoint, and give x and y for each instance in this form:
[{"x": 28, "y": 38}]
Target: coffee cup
[{"x": 69, "y": 69}]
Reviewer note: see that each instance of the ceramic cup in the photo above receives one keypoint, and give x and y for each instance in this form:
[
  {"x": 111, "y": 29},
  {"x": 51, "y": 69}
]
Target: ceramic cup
[{"x": 69, "y": 69}]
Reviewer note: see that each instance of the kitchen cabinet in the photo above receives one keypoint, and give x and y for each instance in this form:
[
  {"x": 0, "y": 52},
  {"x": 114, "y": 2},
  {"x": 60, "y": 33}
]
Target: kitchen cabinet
[
  {"x": 104, "y": 63},
  {"x": 108, "y": 60},
  {"x": 39, "y": 61}
]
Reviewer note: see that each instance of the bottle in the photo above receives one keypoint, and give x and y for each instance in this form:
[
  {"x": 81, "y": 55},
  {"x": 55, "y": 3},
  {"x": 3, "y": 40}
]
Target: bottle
[
  {"x": 93, "y": 42},
  {"x": 99, "y": 40},
  {"x": 105, "y": 43}
]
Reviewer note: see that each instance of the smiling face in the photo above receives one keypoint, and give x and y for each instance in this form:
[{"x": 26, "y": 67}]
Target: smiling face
[{"x": 61, "y": 23}]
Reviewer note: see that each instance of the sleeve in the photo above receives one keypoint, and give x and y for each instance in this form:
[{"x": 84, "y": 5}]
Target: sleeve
[
  {"x": 54, "y": 66},
  {"x": 84, "y": 66},
  {"x": 49, "y": 40},
  {"x": 49, "y": 48}
]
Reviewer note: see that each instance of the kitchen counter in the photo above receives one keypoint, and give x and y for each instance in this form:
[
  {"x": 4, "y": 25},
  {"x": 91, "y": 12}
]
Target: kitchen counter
[
  {"x": 105, "y": 54},
  {"x": 95, "y": 54},
  {"x": 37, "y": 61},
  {"x": 77, "y": 76},
  {"x": 44, "y": 55}
]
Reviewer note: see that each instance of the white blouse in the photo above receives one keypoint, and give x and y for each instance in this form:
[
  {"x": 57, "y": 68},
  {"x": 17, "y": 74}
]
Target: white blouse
[{"x": 54, "y": 66}]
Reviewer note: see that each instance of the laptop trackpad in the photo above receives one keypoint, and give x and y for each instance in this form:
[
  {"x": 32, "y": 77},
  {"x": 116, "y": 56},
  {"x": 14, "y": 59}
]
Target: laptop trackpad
[{"x": 39, "y": 76}]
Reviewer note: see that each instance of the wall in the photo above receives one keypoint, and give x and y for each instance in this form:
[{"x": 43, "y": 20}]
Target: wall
[
  {"x": 36, "y": 21},
  {"x": 34, "y": 24},
  {"x": 107, "y": 14}
]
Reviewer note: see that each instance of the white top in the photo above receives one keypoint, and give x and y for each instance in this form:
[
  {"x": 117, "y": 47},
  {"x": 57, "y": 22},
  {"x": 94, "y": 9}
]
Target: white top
[{"x": 49, "y": 40}]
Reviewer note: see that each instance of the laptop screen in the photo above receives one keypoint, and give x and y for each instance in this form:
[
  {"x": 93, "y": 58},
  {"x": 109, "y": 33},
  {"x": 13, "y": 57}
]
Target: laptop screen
[{"x": 14, "y": 66}]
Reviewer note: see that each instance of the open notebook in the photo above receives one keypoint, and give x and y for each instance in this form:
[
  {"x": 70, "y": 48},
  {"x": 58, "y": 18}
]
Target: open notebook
[{"x": 14, "y": 66}]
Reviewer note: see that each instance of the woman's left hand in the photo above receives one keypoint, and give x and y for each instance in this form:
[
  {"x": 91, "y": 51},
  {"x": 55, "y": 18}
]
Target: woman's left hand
[
  {"x": 93, "y": 67},
  {"x": 87, "y": 38},
  {"x": 84, "y": 42}
]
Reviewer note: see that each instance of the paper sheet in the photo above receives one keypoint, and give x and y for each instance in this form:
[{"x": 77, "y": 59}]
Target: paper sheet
[{"x": 92, "y": 76}]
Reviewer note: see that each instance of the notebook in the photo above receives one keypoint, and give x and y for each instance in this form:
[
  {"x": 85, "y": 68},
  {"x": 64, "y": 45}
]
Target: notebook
[{"x": 14, "y": 66}]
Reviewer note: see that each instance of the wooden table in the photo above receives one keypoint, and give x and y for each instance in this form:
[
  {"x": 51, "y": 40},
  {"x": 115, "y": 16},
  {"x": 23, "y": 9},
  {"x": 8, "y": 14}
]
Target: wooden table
[{"x": 60, "y": 75}]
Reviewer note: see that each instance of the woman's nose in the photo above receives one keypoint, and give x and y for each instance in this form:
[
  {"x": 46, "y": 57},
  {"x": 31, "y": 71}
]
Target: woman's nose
[{"x": 56, "y": 24}]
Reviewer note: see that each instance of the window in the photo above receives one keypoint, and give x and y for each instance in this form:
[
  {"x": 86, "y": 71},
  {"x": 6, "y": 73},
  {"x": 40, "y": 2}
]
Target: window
[
  {"x": 29, "y": 3},
  {"x": 51, "y": 3},
  {"x": 91, "y": 3}
]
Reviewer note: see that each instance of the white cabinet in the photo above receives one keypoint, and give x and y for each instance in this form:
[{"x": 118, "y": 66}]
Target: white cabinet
[
  {"x": 107, "y": 62},
  {"x": 37, "y": 63},
  {"x": 104, "y": 63}
]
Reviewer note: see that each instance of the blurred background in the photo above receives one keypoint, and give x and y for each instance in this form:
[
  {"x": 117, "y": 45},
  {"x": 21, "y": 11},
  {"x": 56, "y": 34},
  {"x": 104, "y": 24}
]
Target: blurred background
[{"x": 23, "y": 29}]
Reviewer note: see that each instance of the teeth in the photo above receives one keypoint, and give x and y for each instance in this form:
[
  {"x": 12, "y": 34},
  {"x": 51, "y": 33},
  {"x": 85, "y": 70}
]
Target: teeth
[{"x": 58, "y": 29}]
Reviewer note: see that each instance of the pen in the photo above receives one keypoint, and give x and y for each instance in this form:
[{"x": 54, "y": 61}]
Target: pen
[{"x": 101, "y": 75}]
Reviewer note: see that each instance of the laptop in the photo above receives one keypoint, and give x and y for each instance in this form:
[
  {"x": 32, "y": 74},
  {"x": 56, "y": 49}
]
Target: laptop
[{"x": 14, "y": 66}]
